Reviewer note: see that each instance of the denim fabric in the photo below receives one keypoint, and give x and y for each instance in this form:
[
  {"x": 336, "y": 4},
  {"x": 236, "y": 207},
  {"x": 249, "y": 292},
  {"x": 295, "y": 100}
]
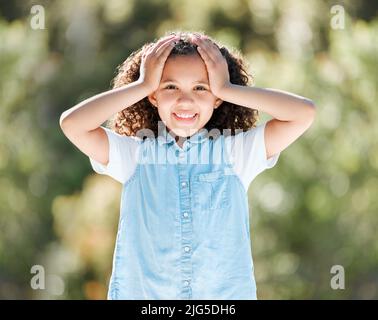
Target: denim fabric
[{"x": 183, "y": 231}]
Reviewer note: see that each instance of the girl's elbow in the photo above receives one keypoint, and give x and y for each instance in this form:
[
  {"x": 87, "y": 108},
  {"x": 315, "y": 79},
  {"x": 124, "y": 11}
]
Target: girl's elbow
[
  {"x": 310, "y": 110},
  {"x": 66, "y": 124},
  {"x": 308, "y": 113},
  {"x": 63, "y": 120}
]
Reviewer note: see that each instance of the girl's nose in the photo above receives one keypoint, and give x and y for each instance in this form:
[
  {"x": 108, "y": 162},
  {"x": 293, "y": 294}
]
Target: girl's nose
[{"x": 184, "y": 97}]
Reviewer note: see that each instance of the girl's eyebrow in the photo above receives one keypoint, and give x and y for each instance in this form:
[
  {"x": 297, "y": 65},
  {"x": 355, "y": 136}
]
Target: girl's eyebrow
[{"x": 198, "y": 82}]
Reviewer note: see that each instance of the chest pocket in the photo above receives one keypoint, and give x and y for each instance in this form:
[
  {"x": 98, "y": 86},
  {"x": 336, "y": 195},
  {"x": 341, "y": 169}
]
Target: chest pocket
[{"x": 211, "y": 190}]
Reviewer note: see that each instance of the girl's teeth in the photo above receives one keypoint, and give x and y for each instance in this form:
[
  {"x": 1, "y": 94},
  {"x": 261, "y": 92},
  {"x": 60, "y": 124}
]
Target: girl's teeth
[{"x": 185, "y": 115}]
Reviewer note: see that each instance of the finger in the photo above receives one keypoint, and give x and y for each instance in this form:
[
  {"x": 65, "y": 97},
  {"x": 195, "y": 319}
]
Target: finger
[
  {"x": 211, "y": 50},
  {"x": 166, "y": 47},
  {"x": 162, "y": 42},
  {"x": 152, "y": 46},
  {"x": 204, "y": 51},
  {"x": 211, "y": 47},
  {"x": 205, "y": 56},
  {"x": 202, "y": 45},
  {"x": 147, "y": 50}
]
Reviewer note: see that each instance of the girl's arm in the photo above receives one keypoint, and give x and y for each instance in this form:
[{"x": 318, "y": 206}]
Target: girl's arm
[
  {"x": 81, "y": 123},
  {"x": 292, "y": 114},
  {"x": 89, "y": 114},
  {"x": 281, "y": 105}
]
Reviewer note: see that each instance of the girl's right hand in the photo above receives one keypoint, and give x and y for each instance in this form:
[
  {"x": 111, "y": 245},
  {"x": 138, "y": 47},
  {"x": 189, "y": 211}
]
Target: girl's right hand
[{"x": 153, "y": 61}]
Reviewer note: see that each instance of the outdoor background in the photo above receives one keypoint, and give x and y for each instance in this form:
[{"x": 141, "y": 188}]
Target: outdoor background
[{"x": 318, "y": 207}]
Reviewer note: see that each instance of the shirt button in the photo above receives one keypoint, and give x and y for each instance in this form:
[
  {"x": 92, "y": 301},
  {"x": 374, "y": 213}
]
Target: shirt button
[
  {"x": 183, "y": 184},
  {"x": 185, "y": 214},
  {"x": 177, "y": 153},
  {"x": 187, "y": 249},
  {"x": 186, "y": 282}
]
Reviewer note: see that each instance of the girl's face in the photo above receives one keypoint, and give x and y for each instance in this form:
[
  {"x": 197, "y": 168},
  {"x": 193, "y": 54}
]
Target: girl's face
[{"x": 184, "y": 100}]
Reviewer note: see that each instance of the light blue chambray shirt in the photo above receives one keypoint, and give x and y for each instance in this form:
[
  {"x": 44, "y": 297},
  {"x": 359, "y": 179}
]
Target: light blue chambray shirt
[{"x": 183, "y": 231}]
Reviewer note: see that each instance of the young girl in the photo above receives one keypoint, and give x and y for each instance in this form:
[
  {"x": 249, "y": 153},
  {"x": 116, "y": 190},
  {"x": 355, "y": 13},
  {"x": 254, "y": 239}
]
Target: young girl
[{"x": 185, "y": 146}]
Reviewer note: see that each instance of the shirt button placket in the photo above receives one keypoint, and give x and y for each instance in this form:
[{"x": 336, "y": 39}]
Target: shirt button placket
[{"x": 186, "y": 228}]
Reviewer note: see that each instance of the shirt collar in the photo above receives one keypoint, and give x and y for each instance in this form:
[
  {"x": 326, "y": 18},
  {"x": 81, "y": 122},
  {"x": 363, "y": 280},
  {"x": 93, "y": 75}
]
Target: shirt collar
[{"x": 165, "y": 137}]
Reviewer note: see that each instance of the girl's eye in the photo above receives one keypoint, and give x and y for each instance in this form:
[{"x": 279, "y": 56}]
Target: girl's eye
[{"x": 171, "y": 86}]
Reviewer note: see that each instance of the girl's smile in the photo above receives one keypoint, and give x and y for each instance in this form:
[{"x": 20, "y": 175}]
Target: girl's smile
[
  {"x": 184, "y": 99},
  {"x": 185, "y": 118}
]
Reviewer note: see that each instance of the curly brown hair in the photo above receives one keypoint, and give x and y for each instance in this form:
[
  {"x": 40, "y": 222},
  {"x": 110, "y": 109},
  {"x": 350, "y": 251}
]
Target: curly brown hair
[{"x": 143, "y": 115}]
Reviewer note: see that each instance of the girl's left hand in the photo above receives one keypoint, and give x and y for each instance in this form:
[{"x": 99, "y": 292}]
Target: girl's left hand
[{"x": 216, "y": 64}]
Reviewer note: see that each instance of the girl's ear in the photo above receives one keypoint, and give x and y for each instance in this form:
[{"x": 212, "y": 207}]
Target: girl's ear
[
  {"x": 152, "y": 99},
  {"x": 218, "y": 102}
]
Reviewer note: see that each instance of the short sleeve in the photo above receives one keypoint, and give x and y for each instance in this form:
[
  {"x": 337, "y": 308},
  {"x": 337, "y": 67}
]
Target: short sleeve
[
  {"x": 123, "y": 157},
  {"x": 247, "y": 153}
]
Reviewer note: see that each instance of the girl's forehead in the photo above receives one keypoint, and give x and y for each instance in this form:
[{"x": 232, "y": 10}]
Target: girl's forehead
[
  {"x": 184, "y": 62},
  {"x": 184, "y": 58},
  {"x": 182, "y": 67}
]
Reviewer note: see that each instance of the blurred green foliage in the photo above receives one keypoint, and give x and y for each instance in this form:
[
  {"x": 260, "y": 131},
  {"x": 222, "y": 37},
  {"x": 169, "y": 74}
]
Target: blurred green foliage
[{"x": 317, "y": 208}]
